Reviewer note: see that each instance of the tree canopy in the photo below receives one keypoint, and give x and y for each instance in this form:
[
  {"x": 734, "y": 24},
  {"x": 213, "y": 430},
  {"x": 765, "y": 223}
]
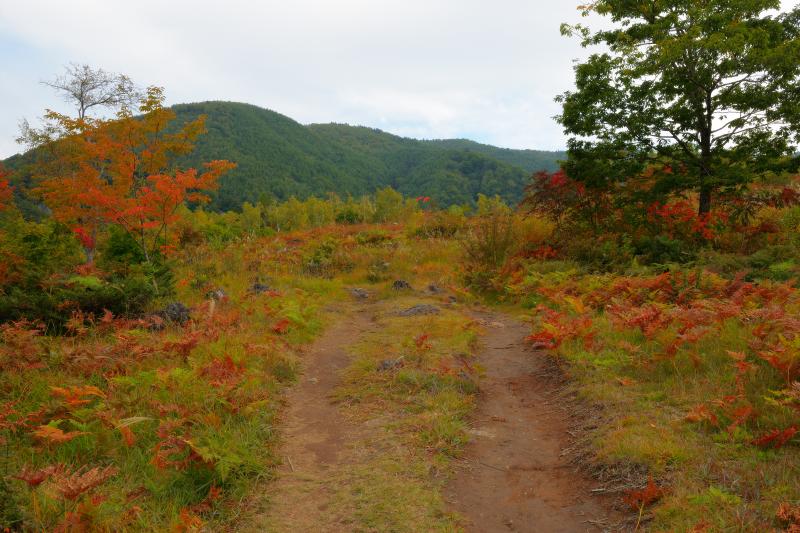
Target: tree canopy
[
  {"x": 689, "y": 96},
  {"x": 96, "y": 173}
]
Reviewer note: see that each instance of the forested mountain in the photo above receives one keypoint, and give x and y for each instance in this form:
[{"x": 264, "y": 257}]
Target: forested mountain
[
  {"x": 529, "y": 160},
  {"x": 279, "y": 157}
]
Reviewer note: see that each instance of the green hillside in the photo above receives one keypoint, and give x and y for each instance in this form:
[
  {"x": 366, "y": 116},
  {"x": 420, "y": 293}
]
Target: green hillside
[
  {"x": 280, "y": 157},
  {"x": 529, "y": 160}
]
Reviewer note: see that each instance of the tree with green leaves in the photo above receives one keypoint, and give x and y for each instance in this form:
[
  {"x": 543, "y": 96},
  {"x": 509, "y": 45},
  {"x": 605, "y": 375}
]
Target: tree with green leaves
[{"x": 690, "y": 96}]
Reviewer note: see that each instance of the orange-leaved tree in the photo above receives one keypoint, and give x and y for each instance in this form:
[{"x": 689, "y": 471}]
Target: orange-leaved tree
[
  {"x": 8, "y": 259},
  {"x": 6, "y": 192},
  {"x": 121, "y": 171}
]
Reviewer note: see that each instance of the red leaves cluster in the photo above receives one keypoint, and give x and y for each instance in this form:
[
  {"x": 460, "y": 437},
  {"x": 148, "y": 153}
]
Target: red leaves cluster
[
  {"x": 776, "y": 438},
  {"x": 84, "y": 237},
  {"x": 174, "y": 450},
  {"x": 650, "y": 318},
  {"x": 544, "y": 252},
  {"x": 785, "y": 359},
  {"x": 107, "y": 357},
  {"x": 736, "y": 409},
  {"x": 20, "y": 344},
  {"x": 556, "y": 327},
  {"x": 738, "y": 415},
  {"x": 421, "y": 342},
  {"x": 675, "y": 312},
  {"x": 223, "y": 372},
  {"x": 12, "y": 420},
  {"x": 281, "y": 327},
  {"x": 555, "y": 195},
  {"x": 701, "y": 413},
  {"x": 34, "y": 478},
  {"x": 77, "y": 396},
  {"x": 154, "y": 206},
  {"x": 790, "y": 516},
  {"x": 214, "y": 494},
  {"x": 127, "y": 435},
  {"x": 680, "y": 219},
  {"x": 6, "y": 190},
  {"x": 188, "y": 521},
  {"x": 733, "y": 410},
  {"x": 788, "y": 196},
  {"x": 71, "y": 485},
  {"x": 54, "y": 435},
  {"x": 641, "y": 498},
  {"x": 184, "y": 346}
]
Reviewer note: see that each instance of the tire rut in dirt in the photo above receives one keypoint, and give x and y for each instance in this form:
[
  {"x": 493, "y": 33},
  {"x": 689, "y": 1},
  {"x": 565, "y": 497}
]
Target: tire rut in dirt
[{"x": 513, "y": 476}]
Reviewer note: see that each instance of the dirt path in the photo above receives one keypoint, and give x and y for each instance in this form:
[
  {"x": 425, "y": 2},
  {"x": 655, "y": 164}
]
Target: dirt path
[
  {"x": 316, "y": 437},
  {"x": 513, "y": 477}
]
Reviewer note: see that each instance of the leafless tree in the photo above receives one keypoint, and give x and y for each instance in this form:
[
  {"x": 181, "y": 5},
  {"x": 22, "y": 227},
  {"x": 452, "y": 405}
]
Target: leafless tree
[{"x": 87, "y": 87}]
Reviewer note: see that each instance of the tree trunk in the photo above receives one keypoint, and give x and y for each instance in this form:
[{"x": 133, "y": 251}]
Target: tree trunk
[
  {"x": 706, "y": 131},
  {"x": 705, "y": 201}
]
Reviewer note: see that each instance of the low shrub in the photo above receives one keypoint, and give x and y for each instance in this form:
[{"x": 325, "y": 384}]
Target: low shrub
[
  {"x": 599, "y": 254},
  {"x": 49, "y": 282},
  {"x": 373, "y": 238},
  {"x": 487, "y": 244},
  {"x": 326, "y": 259},
  {"x": 440, "y": 224},
  {"x": 661, "y": 249}
]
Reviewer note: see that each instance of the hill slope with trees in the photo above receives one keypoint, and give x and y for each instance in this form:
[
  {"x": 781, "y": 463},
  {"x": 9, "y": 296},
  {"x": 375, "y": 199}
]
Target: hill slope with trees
[{"x": 279, "y": 157}]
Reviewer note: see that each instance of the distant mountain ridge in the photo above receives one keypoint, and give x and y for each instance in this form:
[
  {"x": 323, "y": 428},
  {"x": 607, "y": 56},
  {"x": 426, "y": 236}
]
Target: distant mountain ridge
[
  {"x": 279, "y": 157},
  {"x": 529, "y": 160}
]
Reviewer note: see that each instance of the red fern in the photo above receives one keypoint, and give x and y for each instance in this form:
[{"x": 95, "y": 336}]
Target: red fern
[
  {"x": 775, "y": 438},
  {"x": 281, "y": 327},
  {"x": 639, "y": 499},
  {"x": 72, "y": 485}
]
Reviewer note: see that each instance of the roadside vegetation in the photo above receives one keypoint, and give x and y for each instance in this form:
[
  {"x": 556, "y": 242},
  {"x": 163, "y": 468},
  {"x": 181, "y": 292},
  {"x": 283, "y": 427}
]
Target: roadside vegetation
[
  {"x": 157, "y": 417},
  {"x": 146, "y": 339}
]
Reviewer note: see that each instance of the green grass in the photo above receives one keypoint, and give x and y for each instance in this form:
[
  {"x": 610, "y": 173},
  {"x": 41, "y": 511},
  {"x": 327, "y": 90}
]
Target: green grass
[
  {"x": 712, "y": 475},
  {"x": 418, "y": 410},
  {"x": 221, "y": 394}
]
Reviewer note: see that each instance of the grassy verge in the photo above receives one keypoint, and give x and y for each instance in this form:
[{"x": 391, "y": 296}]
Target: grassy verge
[
  {"x": 413, "y": 381},
  {"x": 144, "y": 424},
  {"x": 150, "y": 424},
  {"x": 695, "y": 374}
]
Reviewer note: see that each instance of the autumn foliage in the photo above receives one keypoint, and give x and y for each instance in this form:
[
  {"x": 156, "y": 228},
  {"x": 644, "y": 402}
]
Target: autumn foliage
[
  {"x": 6, "y": 191},
  {"x": 631, "y": 297},
  {"x": 121, "y": 172}
]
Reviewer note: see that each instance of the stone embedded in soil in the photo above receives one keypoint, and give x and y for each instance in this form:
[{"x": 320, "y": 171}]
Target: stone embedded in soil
[
  {"x": 258, "y": 288},
  {"x": 419, "y": 310},
  {"x": 400, "y": 285},
  {"x": 175, "y": 312},
  {"x": 359, "y": 293},
  {"x": 217, "y": 294},
  {"x": 390, "y": 364}
]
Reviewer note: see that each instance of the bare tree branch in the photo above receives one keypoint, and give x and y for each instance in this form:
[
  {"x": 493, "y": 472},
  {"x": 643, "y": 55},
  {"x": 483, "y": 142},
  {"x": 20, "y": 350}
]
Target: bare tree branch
[{"x": 86, "y": 87}]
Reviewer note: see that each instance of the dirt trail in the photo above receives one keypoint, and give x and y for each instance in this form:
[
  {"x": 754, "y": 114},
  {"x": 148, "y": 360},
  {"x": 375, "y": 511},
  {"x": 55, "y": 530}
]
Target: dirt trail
[
  {"x": 513, "y": 477},
  {"x": 316, "y": 437}
]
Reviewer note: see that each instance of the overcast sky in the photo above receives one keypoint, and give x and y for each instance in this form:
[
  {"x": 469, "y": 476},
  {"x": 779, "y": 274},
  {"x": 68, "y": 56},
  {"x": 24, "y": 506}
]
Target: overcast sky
[{"x": 482, "y": 69}]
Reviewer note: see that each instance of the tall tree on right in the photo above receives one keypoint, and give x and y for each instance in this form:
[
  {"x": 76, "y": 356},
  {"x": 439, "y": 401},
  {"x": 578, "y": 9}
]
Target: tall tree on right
[{"x": 697, "y": 96}]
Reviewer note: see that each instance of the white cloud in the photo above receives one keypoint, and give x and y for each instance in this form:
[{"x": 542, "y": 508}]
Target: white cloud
[{"x": 486, "y": 69}]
